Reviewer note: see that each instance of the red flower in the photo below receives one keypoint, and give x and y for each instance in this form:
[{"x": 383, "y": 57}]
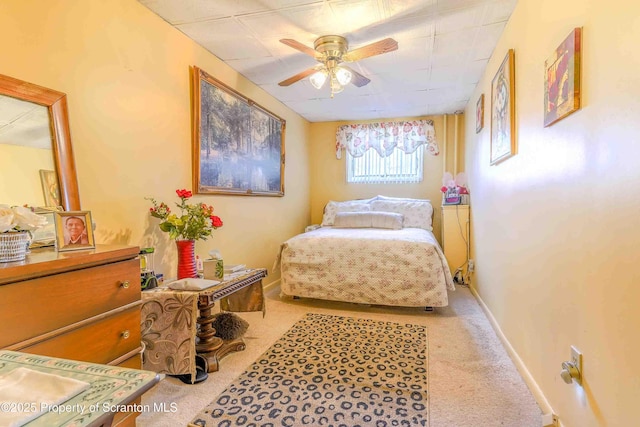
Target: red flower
[
  {"x": 443, "y": 189},
  {"x": 216, "y": 221},
  {"x": 184, "y": 194}
]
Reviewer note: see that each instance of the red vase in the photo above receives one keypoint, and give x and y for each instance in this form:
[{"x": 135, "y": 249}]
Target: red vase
[{"x": 186, "y": 259}]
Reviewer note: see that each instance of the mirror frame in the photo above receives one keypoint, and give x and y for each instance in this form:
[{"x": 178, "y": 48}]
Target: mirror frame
[{"x": 56, "y": 103}]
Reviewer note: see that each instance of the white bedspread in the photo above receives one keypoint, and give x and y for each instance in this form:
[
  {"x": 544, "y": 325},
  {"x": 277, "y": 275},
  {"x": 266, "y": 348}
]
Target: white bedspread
[{"x": 366, "y": 265}]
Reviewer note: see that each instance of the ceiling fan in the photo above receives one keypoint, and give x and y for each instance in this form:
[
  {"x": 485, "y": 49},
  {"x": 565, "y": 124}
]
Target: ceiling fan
[{"x": 331, "y": 52}]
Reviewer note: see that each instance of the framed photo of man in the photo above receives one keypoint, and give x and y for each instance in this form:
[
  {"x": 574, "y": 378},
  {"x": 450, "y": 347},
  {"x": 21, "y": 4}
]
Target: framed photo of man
[{"x": 74, "y": 230}]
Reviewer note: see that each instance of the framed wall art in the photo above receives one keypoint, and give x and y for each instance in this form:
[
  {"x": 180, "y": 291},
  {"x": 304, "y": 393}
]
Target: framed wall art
[
  {"x": 74, "y": 230},
  {"x": 480, "y": 113},
  {"x": 503, "y": 141},
  {"x": 238, "y": 146},
  {"x": 562, "y": 79}
]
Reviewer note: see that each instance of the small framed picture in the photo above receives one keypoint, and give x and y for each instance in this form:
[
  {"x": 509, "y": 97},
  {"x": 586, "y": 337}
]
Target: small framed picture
[
  {"x": 503, "y": 111},
  {"x": 46, "y": 235},
  {"x": 74, "y": 230},
  {"x": 562, "y": 79},
  {"x": 480, "y": 113}
]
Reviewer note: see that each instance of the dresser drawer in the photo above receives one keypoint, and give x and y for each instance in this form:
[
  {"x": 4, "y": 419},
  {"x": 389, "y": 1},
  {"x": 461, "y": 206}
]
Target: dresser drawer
[
  {"x": 38, "y": 306},
  {"x": 97, "y": 342}
]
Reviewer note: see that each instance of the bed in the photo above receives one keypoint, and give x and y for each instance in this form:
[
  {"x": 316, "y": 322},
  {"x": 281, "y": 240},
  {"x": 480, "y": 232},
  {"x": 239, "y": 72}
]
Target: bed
[{"x": 378, "y": 251}]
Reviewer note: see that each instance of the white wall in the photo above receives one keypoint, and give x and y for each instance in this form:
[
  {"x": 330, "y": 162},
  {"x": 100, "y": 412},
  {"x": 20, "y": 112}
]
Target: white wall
[{"x": 555, "y": 228}]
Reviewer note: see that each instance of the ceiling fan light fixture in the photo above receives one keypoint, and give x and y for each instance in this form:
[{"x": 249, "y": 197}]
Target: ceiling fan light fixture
[
  {"x": 336, "y": 87},
  {"x": 318, "y": 78},
  {"x": 343, "y": 76}
]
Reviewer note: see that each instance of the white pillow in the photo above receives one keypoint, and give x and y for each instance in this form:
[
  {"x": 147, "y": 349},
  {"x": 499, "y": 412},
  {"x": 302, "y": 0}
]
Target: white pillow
[
  {"x": 332, "y": 208},
  {"x": 388, "y": 220},
  {"x": 417, "y": 213}
]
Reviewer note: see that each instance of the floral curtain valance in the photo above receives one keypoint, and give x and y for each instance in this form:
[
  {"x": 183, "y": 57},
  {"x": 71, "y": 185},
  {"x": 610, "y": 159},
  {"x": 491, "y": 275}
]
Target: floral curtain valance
[{"x": 385, "y": 137}]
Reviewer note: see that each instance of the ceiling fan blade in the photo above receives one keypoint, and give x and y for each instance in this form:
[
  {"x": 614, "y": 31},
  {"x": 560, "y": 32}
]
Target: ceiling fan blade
[
  {"x": 377, "y": 48},
  {"x": 357, "y": 79},
  {"x": 291, "y": 80},
  {"x": 299, "y": 46}
]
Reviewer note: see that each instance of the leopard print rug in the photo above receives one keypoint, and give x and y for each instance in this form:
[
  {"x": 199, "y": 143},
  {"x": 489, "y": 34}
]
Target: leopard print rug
[{"x": 331, "y": 371}]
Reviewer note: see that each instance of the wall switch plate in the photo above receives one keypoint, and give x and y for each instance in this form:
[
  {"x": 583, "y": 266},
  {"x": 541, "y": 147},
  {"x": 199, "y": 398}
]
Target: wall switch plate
[
  {"x": 472, "y": 266},
  {"x": 576, "y": 359}
]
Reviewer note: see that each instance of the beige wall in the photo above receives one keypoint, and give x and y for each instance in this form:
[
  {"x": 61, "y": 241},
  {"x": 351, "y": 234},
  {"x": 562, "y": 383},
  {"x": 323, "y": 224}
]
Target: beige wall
[
  {"x": 20, "y": 182},
  {"x": 126, "y": 74},
  {"x": 328, "y": 174},
  {"x": 555, "y": 228}
]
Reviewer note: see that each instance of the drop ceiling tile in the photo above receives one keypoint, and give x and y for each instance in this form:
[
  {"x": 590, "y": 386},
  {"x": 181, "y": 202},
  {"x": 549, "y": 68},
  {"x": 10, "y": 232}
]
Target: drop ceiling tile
[
  {"x": 259, "y": 70},
  {"x": 283, "y": 4},
  {"x": 225, "y": 43},
  {"x": 352, "y": 15},
  {"x": 225, "y": 28},
  {"x": 498, "y": 11},
  {"x": 472, "y": 71},
  {"x": 444, "y": 5},
  {"x": 405, "y": 80},
  {"x": 412, "y": 54},
  {"x": 269, "y": 25},
  {"x": 459, "y": 19},
  {"x": 486, "y": 39},
  {"x": 399, "y": 28},
  {"x": 316, "y": 19},
  {"x": 444, "y": 76},
  {"x": 405, "y": 7},
  {"x": 298, "y": 92},
  {"x": 455, "y": 41},
  {"x": 185, "y": 11}
]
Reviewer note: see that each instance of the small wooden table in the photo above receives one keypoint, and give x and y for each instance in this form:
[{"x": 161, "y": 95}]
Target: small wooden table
[
  {"x": 213, "y": 348},
  {"x": 176, "y": 325},
  {"x": 112, "y": 389}
]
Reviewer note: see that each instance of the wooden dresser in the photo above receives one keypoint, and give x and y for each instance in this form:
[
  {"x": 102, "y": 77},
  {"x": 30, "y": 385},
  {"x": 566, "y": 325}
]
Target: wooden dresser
[{"x": 81, "y": 305}]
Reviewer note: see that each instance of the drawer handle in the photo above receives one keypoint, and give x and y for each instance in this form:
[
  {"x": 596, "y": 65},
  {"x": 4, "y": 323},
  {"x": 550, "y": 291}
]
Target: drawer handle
[
  {"x": 126, "y": 334},
  {"x": 125, "y": 284}
]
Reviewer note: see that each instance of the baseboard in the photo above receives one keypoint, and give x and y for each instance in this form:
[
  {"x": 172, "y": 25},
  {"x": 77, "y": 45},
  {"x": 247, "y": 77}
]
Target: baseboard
[
  {"x": 526, "y": 375},
  {"x": 271, "y": 285}
]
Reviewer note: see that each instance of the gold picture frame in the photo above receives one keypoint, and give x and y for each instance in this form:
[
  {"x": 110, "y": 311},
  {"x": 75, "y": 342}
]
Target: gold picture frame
[
  {"x": 74, "y": 230},
  {"x": 480, "y": 113},
  {"x": 238, "y": 146},
  {"x": 562, "y": 79},
  {"x": 50, "y": 188},
  {"x": 503, "y": 136}
]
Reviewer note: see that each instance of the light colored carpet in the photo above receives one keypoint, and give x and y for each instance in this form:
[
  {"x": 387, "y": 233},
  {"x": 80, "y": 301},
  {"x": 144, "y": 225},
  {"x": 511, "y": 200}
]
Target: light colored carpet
[{"x": 472, "y": 380}]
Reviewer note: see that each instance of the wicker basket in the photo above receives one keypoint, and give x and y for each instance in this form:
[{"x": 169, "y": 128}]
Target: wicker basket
[{"x": 13, "y": 246}]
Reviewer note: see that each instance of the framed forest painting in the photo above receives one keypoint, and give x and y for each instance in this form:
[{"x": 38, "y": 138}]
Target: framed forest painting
[
  {"x": 562, "y": 79},
  {"x": 238, "y": 146},
  {"x": 503, "y": 141}
]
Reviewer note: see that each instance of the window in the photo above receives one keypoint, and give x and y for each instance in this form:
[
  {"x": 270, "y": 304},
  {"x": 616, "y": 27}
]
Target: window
[
  {"x": 386, "y": 152},
  {"x": 398, "y": 167}
]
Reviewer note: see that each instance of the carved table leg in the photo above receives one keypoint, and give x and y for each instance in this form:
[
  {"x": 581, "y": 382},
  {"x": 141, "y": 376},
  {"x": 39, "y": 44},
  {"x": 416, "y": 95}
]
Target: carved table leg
[{"x": 212, "y": 348}]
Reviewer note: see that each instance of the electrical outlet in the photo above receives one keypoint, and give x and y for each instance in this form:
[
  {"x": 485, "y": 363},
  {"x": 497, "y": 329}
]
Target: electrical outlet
[
  {"x": 549, "y": 420},
  {"x": 472, "y": 266}
]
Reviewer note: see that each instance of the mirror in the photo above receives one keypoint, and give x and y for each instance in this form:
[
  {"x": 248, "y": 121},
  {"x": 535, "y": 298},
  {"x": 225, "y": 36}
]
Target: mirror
[{"x": 29, "y": 113}]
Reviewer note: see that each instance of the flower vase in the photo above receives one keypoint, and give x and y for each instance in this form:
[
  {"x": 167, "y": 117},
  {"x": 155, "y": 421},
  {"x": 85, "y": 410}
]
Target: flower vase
[{"x": 186, "y": 259}]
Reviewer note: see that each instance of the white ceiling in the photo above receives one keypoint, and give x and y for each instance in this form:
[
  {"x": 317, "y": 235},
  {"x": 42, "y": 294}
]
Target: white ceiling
[{"x": 443, "y": 49}]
